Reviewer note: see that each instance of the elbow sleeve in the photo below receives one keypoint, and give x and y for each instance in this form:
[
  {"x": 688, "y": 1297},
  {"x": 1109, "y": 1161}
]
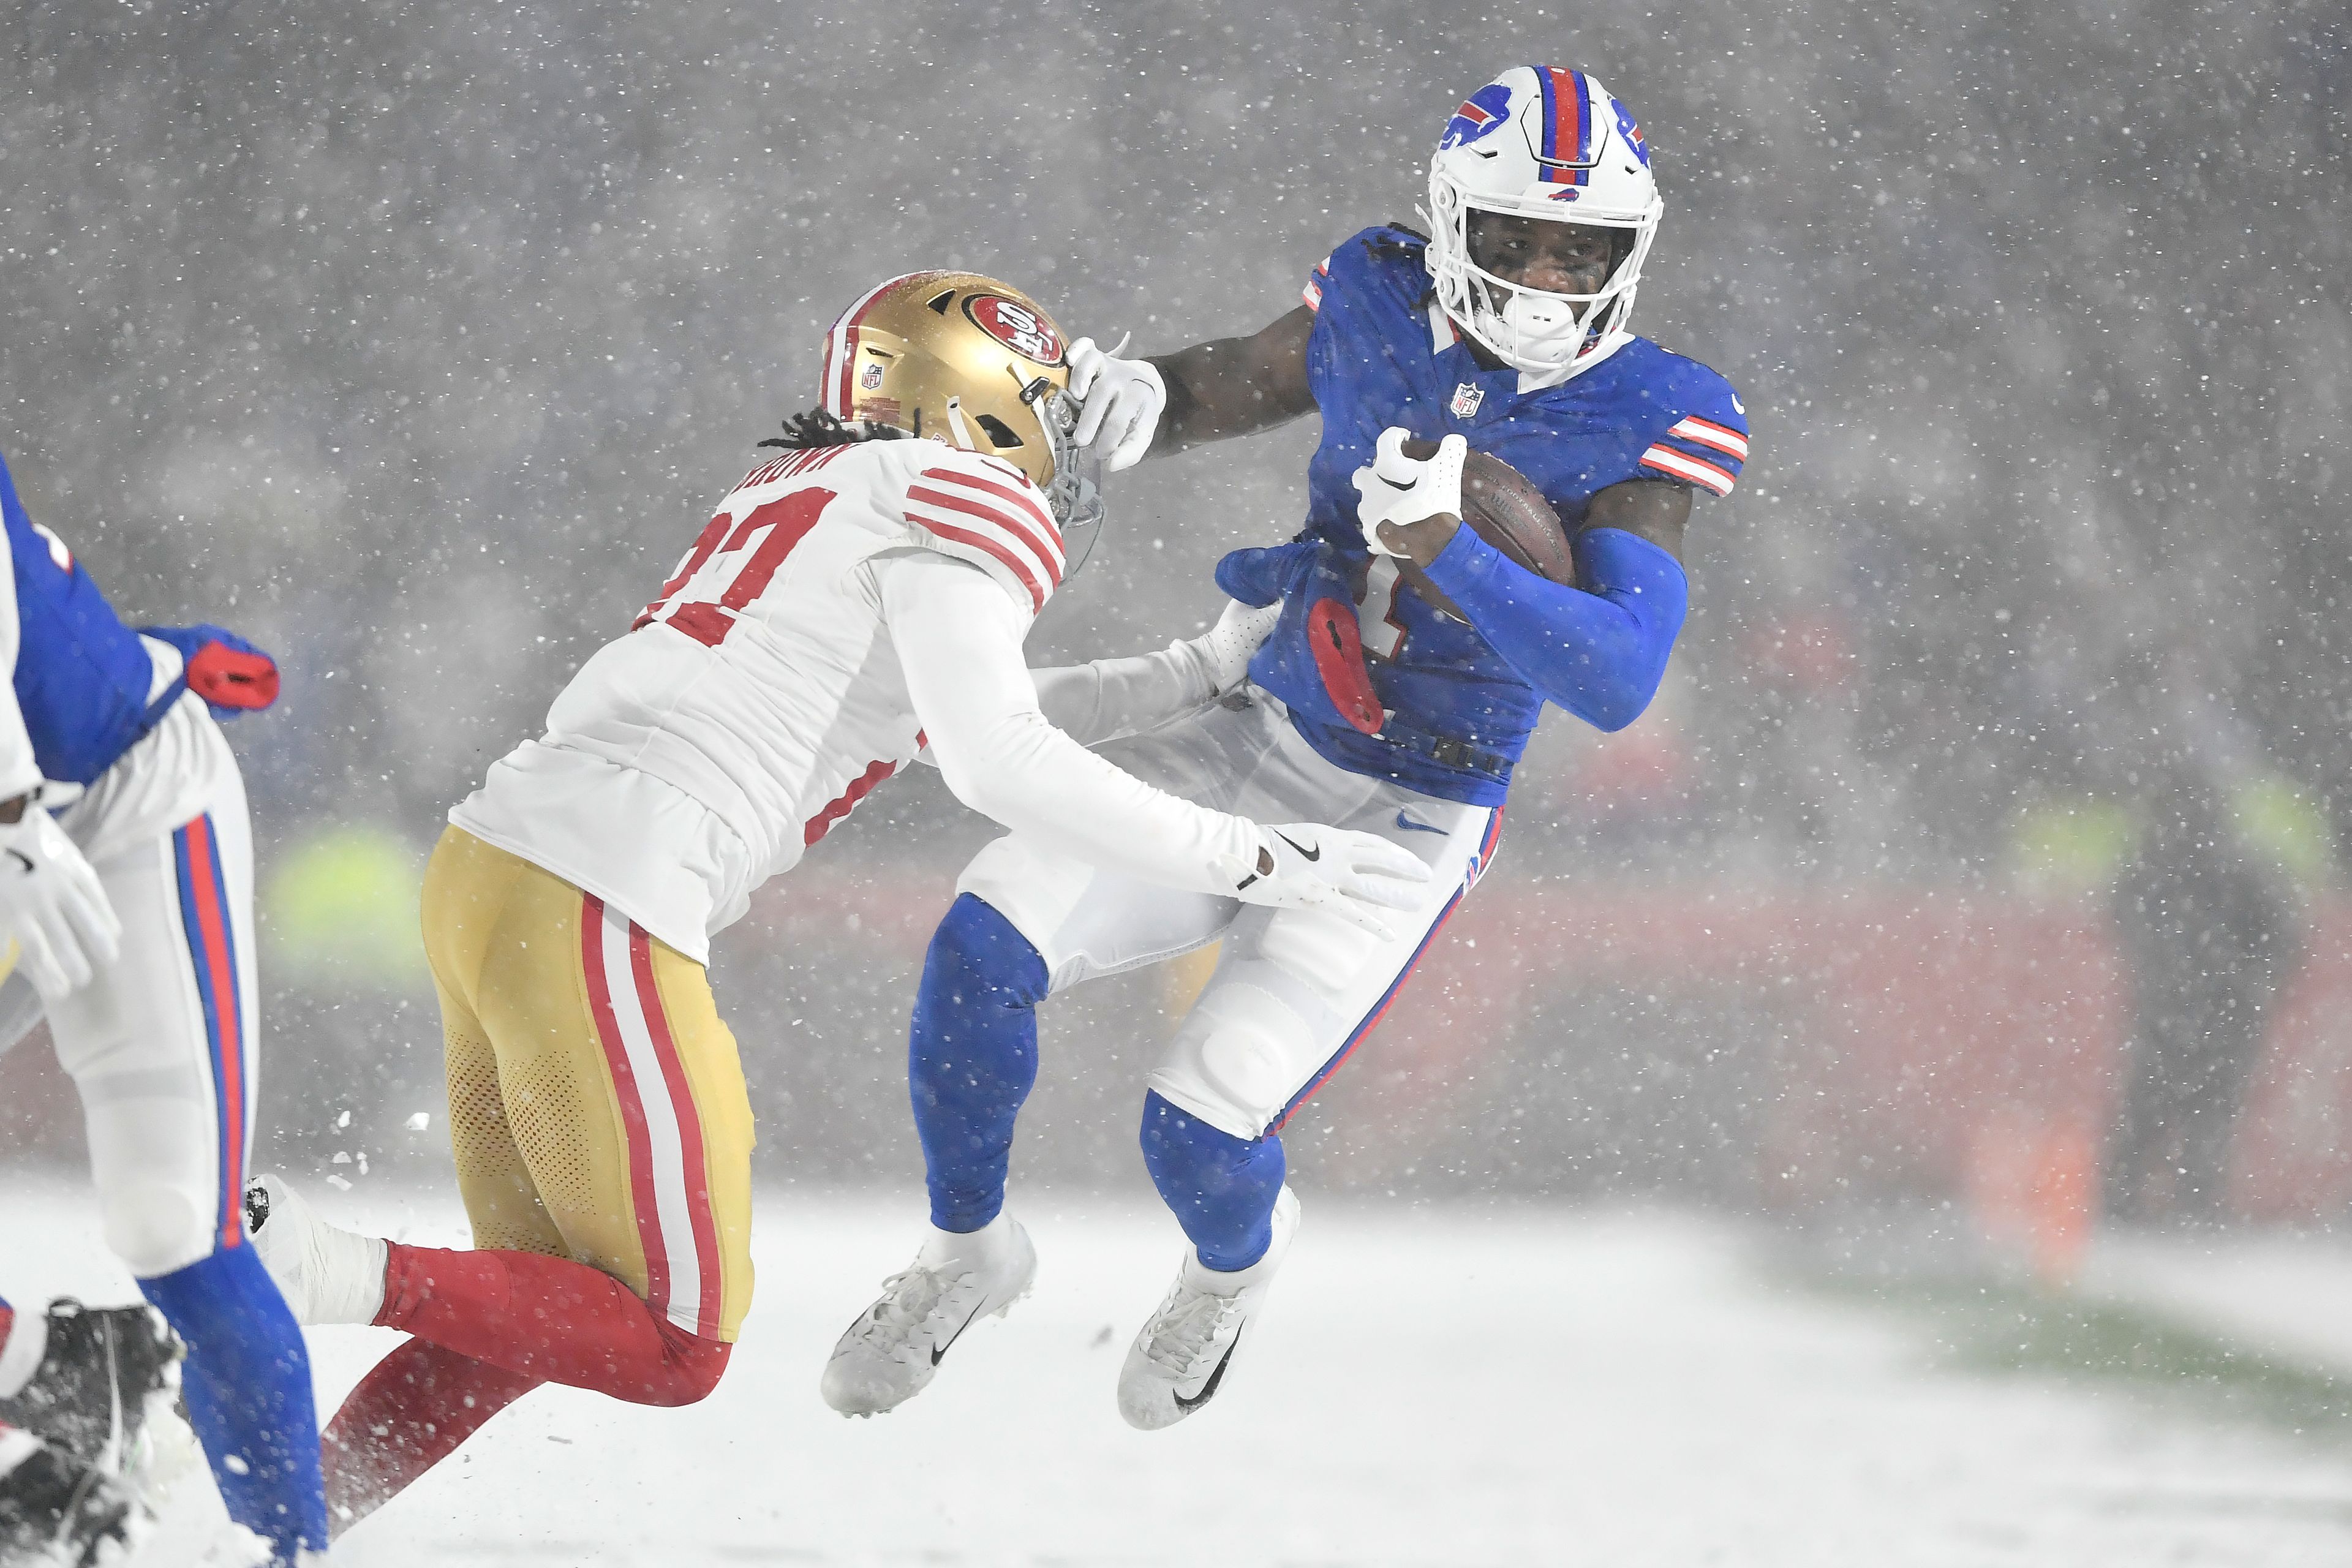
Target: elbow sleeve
[{"x": 1598, "y": 652}]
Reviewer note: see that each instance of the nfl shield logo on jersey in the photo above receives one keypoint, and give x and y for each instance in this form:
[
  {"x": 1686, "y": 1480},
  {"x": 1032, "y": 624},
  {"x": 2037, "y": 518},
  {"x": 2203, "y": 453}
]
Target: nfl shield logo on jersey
[{"x": 1466, "y": 398}]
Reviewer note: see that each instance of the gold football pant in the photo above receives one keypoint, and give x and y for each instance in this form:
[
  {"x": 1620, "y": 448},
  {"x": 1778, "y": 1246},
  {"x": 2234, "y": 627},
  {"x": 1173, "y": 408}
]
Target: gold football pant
[{"x": 596, "y": 1103}]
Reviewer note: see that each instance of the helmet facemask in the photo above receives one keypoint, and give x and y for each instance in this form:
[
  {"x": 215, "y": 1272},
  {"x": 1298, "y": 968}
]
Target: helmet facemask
[
  {"x": 1074, "y": 494},
  {"x": 1532, "y": 329}
]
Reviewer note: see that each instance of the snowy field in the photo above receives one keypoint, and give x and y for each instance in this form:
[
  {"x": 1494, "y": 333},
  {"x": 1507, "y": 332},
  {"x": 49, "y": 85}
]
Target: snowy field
[{"x": 1437, "y": 1388}]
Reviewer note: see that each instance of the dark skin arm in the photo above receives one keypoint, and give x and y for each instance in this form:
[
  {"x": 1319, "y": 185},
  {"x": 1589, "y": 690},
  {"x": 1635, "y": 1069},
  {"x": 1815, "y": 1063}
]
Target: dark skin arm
[
  {"x": 1238, "y": 386},
  {"x": 1235, "y": 386}
]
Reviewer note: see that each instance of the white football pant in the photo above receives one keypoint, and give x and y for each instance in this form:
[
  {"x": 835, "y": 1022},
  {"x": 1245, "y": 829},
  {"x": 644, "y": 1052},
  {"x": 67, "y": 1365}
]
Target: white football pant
[
  {"x": 161, "y": 1044},
  {"x": 1294, "y": 990}
]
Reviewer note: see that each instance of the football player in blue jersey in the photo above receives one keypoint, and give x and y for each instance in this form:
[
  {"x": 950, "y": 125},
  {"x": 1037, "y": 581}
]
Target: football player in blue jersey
[
  {"x": 1503, "y": 330},
  {"x": 126, "y": 899}
]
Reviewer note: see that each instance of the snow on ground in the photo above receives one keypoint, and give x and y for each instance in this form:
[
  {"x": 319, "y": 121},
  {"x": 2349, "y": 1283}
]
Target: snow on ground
[
  {"x": 2288, "y": 1292},
  {"x": 1478, "y": 1386}
]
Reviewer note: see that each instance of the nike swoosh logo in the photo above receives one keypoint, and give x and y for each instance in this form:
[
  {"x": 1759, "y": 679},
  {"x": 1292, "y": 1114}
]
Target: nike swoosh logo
[
  {"x": 939, "y": 1350},
  {"x": 22, "y": 859},
  {"x": 1209, "y": 1389},
  {"x": 1309, "y": 855},
  {"x": 1408, "y": 823},
  {"x": 1394, "y": 486}
]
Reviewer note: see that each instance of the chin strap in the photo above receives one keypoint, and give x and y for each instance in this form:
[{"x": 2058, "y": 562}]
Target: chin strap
[{"x": 956, "y": 427}]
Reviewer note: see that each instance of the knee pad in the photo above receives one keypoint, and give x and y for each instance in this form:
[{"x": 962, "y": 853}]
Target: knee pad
[
  {"x": 1320, "y": 952},
  {"x": 1237, "y": 1060},
  {"x": 157, "y": 1228}
]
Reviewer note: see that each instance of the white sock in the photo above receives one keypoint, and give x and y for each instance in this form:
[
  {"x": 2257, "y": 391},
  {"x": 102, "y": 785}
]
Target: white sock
[
  {"x": 943, "y": 1248},
  {"x": 20, "y": 1357},
  {"x": 364, "y": 1260}
]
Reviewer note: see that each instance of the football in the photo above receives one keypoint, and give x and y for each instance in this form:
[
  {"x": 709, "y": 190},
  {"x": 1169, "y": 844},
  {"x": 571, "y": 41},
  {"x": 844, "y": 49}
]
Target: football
[{"x": 1506, "y": 511}]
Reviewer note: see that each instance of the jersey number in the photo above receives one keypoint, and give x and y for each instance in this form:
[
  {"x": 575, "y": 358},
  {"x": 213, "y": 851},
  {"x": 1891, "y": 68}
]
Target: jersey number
[
  {"x": 745, "y": 572},
  {"x": 1376, "y": 610}
]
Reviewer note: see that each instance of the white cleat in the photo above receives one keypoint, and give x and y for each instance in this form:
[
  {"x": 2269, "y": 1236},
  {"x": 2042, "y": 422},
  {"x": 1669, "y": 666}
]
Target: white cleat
[
  {"x": 1179, "y": 1360},
  {"x": 890, "y": 1355},
  {"x": 327, "y": 1274}
]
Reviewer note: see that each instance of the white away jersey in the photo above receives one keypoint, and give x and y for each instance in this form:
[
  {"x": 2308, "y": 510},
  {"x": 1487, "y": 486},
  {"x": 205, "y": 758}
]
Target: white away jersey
[{"x": 760, "y": 685}]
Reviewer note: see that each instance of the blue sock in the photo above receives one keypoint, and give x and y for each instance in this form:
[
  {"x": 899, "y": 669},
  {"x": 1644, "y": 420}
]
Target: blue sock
[
  {"x": 971, "y": 1057},
  {"x": 1221, "y": 1188},
  {"x": 247, "y": 1383}
]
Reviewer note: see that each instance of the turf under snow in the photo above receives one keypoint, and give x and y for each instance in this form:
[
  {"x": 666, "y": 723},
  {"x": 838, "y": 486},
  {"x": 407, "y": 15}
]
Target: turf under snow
[{"x": 1437, "y": 1388}]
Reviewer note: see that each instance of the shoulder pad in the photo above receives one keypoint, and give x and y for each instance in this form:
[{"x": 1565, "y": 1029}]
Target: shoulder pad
[
  {"x": 982, "y": 510},
  {"x": 1700, "y": 435}
]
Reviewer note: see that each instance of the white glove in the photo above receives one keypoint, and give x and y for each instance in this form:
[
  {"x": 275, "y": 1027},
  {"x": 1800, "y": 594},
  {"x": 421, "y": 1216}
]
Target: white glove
[
  {"x": 1393, "y": 488},
  {"x": 1225, "y": 649},
  {"x": 1307, "y": 866},
  {"x": 1119, "y": 401},
  {"x": 50, "y": 901}
]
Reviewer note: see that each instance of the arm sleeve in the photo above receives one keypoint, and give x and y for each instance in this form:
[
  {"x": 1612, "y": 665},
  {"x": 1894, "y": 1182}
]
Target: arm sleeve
[
  {"x": 959, "y": 643},
  {"x": 1110, "y": 697},
  {"x": 1600, "y": 654},
  {"x": 18, "y": 770}
]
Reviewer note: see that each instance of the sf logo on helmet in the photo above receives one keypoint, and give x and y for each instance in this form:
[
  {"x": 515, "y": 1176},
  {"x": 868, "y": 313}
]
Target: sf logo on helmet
[
  {"x": 1488, "y": 108},
  {"x": 1016, "y": 326}
]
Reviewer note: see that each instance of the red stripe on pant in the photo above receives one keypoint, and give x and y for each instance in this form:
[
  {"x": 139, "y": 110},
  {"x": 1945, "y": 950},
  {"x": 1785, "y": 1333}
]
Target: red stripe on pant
[
  {"x": 1355, "y": 1037},
  {"x": 625, "y": 1087},
  {"x": 211, "y": 949},
  {"x": 690, "y": 1134}
]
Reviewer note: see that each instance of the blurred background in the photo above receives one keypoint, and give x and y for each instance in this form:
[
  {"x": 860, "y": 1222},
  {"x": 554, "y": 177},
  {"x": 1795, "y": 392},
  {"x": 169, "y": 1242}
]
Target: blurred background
[{"x": 1979, "y": 856}]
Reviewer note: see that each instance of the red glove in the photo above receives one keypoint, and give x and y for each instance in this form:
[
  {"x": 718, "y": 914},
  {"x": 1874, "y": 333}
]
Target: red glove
[{"x": 227, "y": 677}]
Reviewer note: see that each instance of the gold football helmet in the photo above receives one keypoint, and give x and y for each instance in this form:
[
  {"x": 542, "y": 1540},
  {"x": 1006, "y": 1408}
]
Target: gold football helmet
[{"x": 974, "y": 363}]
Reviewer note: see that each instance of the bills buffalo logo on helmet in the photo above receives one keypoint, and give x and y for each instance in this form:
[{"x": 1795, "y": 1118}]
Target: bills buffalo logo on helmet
[
  {"x": 1016, "y": 326},
  {"x": 1632, "y": 134},
  {"x": 1484, "y": 110}
]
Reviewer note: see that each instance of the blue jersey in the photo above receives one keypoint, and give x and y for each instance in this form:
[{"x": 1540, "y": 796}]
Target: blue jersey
[
  {"x": 84, "y": 683},
  {"x": 1383, "y": 354}
]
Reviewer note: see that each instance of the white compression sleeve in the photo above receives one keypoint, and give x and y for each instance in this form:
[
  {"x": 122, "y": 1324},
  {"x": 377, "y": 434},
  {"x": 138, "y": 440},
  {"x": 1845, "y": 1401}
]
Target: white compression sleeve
[
  {"x": 958, "y": 640},
  {"x": 1110, "y": 697},
  {"x": 18, "y": 770}
]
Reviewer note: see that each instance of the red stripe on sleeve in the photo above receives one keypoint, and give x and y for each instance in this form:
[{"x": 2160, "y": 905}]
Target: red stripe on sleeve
[
  {"x": 1011, "y": 565},
  {"x": 1049, "y": 556},
  {"x": 1032, "y": 506},
  {"x": 1683, "y": 466}
]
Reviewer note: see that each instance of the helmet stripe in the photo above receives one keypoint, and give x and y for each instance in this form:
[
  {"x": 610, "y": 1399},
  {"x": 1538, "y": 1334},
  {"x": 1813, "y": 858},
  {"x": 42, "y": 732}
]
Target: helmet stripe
[
  {"x": 1574, "y": 135},
  {"x": 1567, "y": 122},
  {"x": 1548, "y": 81},
  {"x": 1584, "y": 149},
  {"x": 841, "y": 350}
]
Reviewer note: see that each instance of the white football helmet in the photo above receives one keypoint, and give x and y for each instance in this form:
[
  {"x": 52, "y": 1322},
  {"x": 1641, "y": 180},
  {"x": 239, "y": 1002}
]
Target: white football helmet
[{"x": 1539, "y": 141}]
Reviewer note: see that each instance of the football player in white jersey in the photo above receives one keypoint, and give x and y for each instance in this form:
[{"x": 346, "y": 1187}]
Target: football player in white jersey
[{"x": 859, "y": 599}]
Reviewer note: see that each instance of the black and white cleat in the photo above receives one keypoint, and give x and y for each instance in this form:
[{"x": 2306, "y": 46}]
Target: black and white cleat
[
  {"x": 56, "y": 1510},
  {"x": 106, "y": 1374}
]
